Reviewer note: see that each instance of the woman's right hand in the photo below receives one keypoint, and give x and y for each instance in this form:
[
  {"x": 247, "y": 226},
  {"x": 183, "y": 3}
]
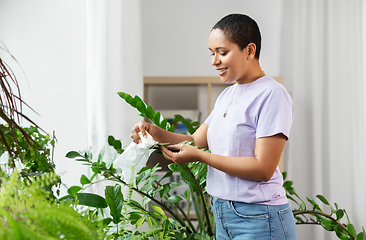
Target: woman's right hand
[{"x": 142, "y": 127}]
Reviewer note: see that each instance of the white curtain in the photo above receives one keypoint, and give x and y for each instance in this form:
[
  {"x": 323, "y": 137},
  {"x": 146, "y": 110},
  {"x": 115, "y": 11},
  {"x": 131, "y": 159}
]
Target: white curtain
[
  {"x": 113, "y": 64},
  {"x": 322, "y": 68}
]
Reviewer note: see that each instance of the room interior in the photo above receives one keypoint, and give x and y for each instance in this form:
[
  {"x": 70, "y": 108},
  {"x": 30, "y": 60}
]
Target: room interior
[{"x": 72, "y": 57}]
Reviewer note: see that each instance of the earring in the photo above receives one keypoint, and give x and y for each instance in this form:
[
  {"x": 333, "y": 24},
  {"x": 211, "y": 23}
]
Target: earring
[{"x": 251, "y": 56}]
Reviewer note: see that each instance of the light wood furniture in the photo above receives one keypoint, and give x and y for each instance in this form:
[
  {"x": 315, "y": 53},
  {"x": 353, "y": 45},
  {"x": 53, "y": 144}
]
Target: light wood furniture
[{"x": 208, "y": 81}]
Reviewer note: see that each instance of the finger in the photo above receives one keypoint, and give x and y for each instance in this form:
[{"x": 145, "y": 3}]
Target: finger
[
  {"x": 167, "y": 154},
  {"x": 142, "y": 128},
  {"x": 135, "y": 133},
  {"x": 175, "y": 147},
  {"x": 135, "y": 138}
]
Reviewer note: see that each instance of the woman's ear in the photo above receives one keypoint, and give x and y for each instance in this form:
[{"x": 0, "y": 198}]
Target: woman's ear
[{"x": 251, "y": 48}]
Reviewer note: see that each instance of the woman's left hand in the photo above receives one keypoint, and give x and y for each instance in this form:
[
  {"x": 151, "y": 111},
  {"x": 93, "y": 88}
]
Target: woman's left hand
[{"x": 186, "y": 153}]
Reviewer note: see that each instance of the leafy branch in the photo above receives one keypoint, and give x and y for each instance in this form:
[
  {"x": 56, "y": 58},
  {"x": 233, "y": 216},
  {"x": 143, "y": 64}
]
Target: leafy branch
[{"x": 330, "y": 222}]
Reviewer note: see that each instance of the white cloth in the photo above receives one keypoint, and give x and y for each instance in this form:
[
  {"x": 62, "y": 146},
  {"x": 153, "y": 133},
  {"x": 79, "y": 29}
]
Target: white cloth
[{"x": 135, "y": 157}]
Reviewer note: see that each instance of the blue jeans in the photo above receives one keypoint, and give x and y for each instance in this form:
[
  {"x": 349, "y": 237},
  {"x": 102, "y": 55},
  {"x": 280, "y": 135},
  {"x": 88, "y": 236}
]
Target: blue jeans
[{"x": 245, "y": 221}]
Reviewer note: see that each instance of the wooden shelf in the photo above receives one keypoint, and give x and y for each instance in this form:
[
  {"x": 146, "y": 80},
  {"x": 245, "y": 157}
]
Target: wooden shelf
[{"x": 208, "y": 81}]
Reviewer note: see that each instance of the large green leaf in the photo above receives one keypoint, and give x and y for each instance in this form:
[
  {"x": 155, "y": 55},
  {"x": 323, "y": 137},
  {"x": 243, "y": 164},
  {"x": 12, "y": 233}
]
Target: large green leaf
[
  {"x": 176, "y": 167},
  {"x": 87, "y": 199},
  {"x": 174, "y": 199},
  {"x": 114, "y": 199},
  {"x": 73, "y": 154}
]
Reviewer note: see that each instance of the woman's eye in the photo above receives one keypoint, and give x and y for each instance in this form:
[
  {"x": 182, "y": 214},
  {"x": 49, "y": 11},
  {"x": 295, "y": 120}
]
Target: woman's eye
[{"x": 223, "y": 53}]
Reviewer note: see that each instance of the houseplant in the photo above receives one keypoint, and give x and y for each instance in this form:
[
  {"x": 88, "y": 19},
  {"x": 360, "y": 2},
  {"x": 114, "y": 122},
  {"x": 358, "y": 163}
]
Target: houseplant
[
  {"x": 179, "y": 225},
  {"x": 28, "y": 207}
]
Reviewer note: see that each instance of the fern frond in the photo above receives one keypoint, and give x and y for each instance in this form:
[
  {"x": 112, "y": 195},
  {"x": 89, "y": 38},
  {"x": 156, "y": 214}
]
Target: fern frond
[{"x": 28, "y": 213}]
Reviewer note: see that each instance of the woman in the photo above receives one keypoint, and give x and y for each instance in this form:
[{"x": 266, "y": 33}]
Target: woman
[{"x": 246, "y": 133}]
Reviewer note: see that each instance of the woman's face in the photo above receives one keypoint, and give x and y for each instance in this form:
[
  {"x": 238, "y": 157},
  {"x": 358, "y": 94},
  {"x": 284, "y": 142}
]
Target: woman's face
[{"x": 230, "y": 62}]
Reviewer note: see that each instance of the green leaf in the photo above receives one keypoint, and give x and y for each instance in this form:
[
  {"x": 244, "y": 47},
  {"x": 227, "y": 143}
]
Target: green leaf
[
  {"x": 176, "y": 167},
  {"x": 323, "y": 199},
  {"x": 145, "y": 201},
  {"x": 164, "y": 191},
  {"x": 339, "y": 214},
  {"x": 111, "y": 140},
  {"x": 117, "y": 144},
  {"x": 135, "y": 204},
  {"x": 133, "y": 102},
  {"x": 140, "y": 222},
  {"x": 156, "y": 119},
  {"x": 164, "y": 123},
  {"x": 155, "y": 222},
  {"x": 101, "y": 155},
  {"x": 74, "y": 189},
  {"x": 149, "y": 112},
  {"x": 328, "y": 224},
  {"x": 361, "y": 236},
  {"x": 351, "y": 229},
  {"x": 107, "y": 221},
  {"x": 88, "y": 199},
  {"x": 144, "y": 174},
  {"x": 159, "y": 210},
  {"x": 284, "y": 175},
  {"x": 174, "y": 199},
  {"x": 73, "y": 154},
  {"x": 315, "y": 205},
  {"x": 174, "y": 185},
  {"x": 127, "y": 98},
  {"x": 141, "y": 106},
  {"x": 122, "y": 94},
  {"x": 149, "y": 221},
  {"x": 114, "y": 199},
  {"x": 84, "y": 180},
  {"x": 148, "y": 184},
  {"x": 167, "y": 174},
  {"x": 171, "y": 128},
  {"x": 287, "y": 184},
  {"x": 341, "y": 233}
]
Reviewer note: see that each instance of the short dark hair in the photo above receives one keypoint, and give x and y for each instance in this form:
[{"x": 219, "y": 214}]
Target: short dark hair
[{"x": 240, "y": 29}]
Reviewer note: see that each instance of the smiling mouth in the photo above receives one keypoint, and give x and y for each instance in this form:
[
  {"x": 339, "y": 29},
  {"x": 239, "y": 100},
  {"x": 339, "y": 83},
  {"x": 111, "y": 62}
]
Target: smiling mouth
[{"x": 222, "y": 71}]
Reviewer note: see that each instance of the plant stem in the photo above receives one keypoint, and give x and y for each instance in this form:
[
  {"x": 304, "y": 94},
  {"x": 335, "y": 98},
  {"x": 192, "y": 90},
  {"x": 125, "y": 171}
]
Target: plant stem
[
  {"x": 209, "y": 229},
  {"x": 186, "y": 217},
  {"x": 176, "y": 216},
  {"x": 301, "y": 212},
  {"x": 196, "y": 208}
]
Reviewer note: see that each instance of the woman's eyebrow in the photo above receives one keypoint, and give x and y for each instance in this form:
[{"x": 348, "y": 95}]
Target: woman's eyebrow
[{"x": 218, "y": 48}]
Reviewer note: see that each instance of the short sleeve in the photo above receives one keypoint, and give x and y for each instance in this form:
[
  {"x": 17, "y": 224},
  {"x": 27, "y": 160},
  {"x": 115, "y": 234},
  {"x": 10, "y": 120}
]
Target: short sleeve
[
  {"x": 208, "y": 119},
  {"x": 276, "y": 114}
]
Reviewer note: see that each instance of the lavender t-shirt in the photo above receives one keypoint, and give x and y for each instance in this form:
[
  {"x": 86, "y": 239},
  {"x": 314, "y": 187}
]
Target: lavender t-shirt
[{"x": 264, "y": 109}]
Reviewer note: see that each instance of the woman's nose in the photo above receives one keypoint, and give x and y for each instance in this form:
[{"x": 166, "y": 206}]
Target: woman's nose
[{"x": 215, "y": 60}]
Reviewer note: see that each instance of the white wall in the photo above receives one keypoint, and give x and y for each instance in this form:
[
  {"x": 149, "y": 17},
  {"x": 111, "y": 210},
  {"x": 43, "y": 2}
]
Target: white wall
[
  {"x": 48, "y": 40},
  {"x": 175, "y": 34}
]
